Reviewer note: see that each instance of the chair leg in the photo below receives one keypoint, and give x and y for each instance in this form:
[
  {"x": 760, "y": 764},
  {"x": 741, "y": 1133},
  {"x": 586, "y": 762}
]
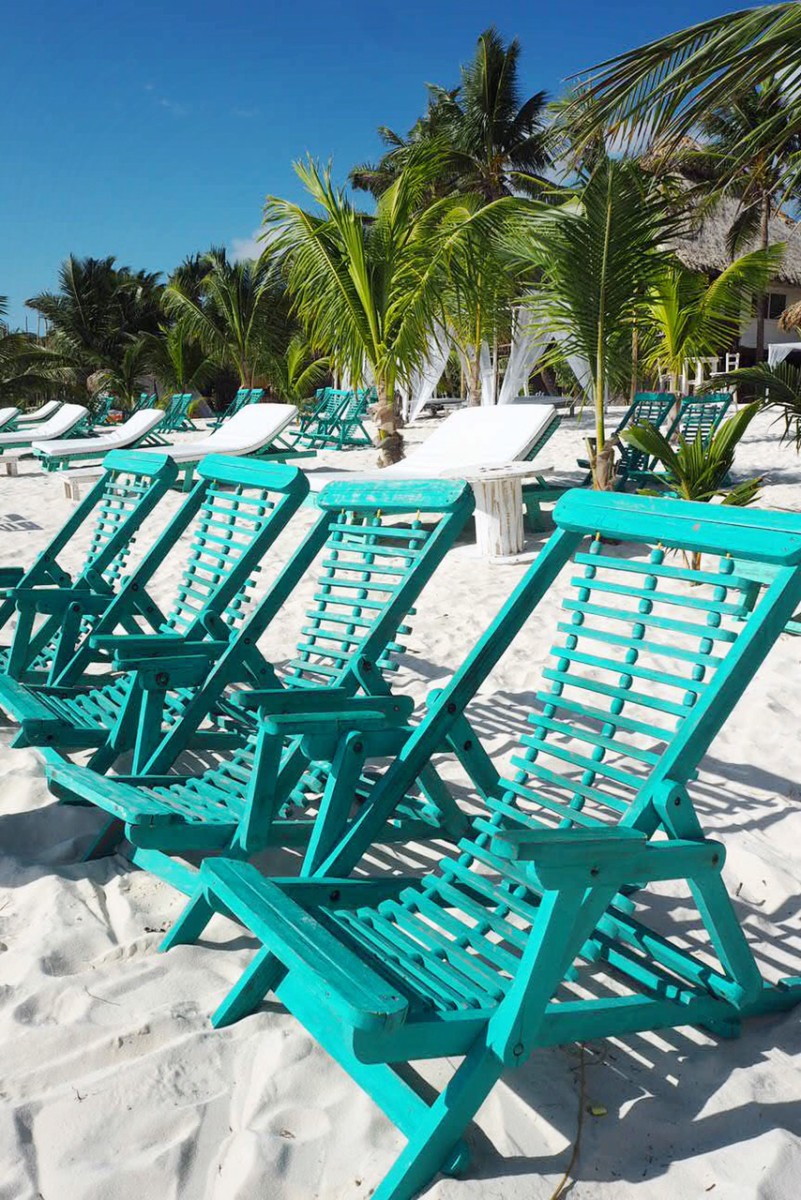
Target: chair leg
[
  {"x": 191, "y": 923},
  {"x": 107, "y": 841},
  {"x": 436, "y": 1145},
  {"x": 262, "y": 976}
]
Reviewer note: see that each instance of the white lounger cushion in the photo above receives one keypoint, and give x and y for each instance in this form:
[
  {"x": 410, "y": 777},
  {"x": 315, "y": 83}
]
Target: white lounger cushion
[
  {"x": 244, "y": 433},
  {"x": 7, "y": 415},
  {"x": 117, "y": 438},
  {"x": 41, "y": 413},
  {"x": 469, "y": 438},
  {"x": 58, "y": 426}
]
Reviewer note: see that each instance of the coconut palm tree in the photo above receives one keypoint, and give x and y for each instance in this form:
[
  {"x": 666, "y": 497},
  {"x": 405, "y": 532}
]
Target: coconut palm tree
[
  {"x": 777, "y": 387},
  {"x": 762, "y": 182},
  {"x": 491, "y": 142},
  {"x": 662, "y": 91},
  {"x": 299, "y": 372},
  {"x": 599, "y": 254},
  {"x": 686, "y": 316},
  {"x": 176, "y": 359},
  {"x": 98, "y": 308},
  {"x": 237, "y": 312},
  {"x": 368, "y": 289}
]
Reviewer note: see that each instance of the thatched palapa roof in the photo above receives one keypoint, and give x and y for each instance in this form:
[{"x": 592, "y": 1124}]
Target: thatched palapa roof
[{"x": 704, "y": 248}]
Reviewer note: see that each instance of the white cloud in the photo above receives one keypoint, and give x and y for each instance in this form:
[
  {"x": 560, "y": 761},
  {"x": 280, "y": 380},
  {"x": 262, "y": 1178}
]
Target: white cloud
[{"x": 246, "y": 247}]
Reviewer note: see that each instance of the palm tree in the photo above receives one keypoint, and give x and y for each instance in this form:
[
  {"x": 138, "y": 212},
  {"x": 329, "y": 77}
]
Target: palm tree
[
  {"x": 662, "y": 91},
  {"x": 176, "y": 359},
  {"x": 96, "y": 311},
  {"x": 688, "y": 317},
  {"x": 237, "y": 312},
  {"x": 491, "y": 142},
  {"x": 761, "y": 181},
  {"x": 777, "y": 387},
  {"x": 368, "y": 290},
  {"x": 299, "y": 372},
  {"x": 600, "y": 254}
]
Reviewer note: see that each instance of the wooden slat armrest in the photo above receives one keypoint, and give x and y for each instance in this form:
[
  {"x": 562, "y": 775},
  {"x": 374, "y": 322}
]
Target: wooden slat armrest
[
  {"x": 57, "y": 600},
  {"x": 136, "y": 643},
  {"x": 10, "y": 576},
  {"x": 558, "y": 858},
  {"x": 69, "y": 782},
  {"x": 330, "y": 969},
  {"x": 323, "y": 703}
]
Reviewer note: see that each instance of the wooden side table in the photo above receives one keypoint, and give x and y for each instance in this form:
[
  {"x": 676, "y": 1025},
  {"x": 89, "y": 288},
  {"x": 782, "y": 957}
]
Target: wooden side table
[{"x": 498, "y": 493}]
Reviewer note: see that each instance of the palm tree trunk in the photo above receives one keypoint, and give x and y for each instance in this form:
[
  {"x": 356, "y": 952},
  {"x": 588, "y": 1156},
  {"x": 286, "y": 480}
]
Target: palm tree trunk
[
  {"x": 390, "y": 441},
  {"x": 762, "y": 302},
  {"x": 474, "y": 378}
]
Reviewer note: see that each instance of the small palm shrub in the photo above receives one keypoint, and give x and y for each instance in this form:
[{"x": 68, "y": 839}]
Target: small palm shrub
[{"x": 694, "y": 471}]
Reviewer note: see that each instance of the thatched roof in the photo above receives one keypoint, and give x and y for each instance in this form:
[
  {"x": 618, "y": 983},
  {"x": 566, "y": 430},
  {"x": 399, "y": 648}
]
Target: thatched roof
[
  {"x": 791, "y": 317},
  {"x": 704, "y": 249}
]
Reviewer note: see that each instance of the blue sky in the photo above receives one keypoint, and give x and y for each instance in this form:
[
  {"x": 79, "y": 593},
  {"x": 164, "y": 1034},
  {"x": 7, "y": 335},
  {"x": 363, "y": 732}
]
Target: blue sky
[{"x": 153, "y": 130}]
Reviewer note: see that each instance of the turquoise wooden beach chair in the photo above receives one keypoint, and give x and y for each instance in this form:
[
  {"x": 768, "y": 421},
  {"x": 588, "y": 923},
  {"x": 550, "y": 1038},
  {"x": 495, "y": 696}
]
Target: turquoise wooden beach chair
[
  {"x": 540, "y": 927},
  {"x": 99, "y": 413},
  {"x": 56, "y": 609},
  {"x": 337, "y": 422},
  {"x": 646, "y": 406},
  {"x": 232, "y": 516},
  {"x": 699, "y": 416},
  {"x": 176, "y": 414},
  {"x": 242, "y": 399},
  {"x": 146, "y": 400},
  {"x": 373, "y": 554}
]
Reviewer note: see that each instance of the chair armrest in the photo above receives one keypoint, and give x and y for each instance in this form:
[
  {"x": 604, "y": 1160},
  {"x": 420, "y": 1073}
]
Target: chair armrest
[
  {"x": 568, "y": 857},
  {"x": 57, "y": 600},
  {"x": 331, "y": 971},
  {"x": 162, "y": 673},
  {"x": 136, "y": 643},
  {"x": 10, "y": 576},
  {"x": 323, "y": 704}
]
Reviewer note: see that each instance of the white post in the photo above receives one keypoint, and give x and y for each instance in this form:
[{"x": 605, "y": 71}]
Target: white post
[{"x": 499, "y": 517}]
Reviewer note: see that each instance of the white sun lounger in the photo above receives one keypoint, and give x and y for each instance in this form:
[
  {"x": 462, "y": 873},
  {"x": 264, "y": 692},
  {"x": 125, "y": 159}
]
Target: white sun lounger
[
  {"x": 54, "y": 455},
  {"x": 254, "y": 430},
  {"x": 8, "y": 416},
  {"x": 42, "y": 413},
  {"x": 58, "y": 426},
  {"x": 468, "y": 439}
]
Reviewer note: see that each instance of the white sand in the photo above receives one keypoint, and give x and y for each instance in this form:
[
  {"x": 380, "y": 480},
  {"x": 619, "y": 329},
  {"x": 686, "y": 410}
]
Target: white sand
[{"x": 114, "y": 1085}]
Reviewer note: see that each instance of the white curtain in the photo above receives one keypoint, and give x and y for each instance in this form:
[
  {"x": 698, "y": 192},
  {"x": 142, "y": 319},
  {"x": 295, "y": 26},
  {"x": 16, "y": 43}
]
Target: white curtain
[
  {"x": 425, "y": 380},
  {"x": 778, "y": 351},
  {"x": 528, "y": 344}
]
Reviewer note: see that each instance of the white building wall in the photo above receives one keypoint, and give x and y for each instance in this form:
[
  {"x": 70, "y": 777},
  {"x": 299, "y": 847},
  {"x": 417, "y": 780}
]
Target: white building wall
[{"x": 772, "y": 332}]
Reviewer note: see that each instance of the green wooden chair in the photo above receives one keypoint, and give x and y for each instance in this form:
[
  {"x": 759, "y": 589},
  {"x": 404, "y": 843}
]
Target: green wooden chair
[
  {"x": 176, "y": 414},
  {"x": 56, "y": 610},
  {"x": 337, "y": 422},
  {"x": 232, "y": 516},
  {"x": 372, "y": 555},
  {"x": 146, "y": 400},
  {"x": 242, "y": 399},
  {"x": 646, "y": 406},
  {"x": 538, "y": 928},
  {"x": 699, "y": 415}
]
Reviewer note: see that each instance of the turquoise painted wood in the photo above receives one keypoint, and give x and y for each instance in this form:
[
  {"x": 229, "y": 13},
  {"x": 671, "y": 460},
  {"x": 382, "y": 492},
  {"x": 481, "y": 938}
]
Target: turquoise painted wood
[
  {"x": 230, "y": 519},
  {"x": 308, "y": 734},
  {"x": 699, "y": 416},
  {"x": 654, "y": 407},
  {"x": 56, "y": 610},
  {"x": 242, "y": 399},
  {"x": 496, "y": 951},
  {"x": 176, "y": 414},
  {"x": 538, "y": 490},
  {"x": 337, "y": 420}
]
